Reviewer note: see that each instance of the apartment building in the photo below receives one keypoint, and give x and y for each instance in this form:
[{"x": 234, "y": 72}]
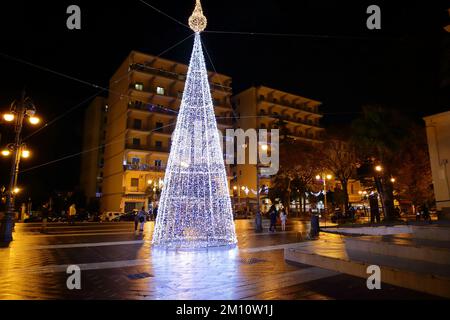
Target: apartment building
[
  {"x": 438, "y": 136},
  {"x": 92, "y": 161},
  {"x": 144, "y": 98},
  {"x": 263, "y": 108}
]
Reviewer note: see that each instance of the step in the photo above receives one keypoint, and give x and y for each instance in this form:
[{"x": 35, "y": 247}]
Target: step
[
  {"x": 402, "y": 246},
  {"x": 333, "y": 255}
]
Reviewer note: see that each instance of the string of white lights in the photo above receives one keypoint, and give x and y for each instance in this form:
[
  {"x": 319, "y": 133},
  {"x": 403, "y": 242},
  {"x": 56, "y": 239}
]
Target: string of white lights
[{"x": 195, "y": 209}]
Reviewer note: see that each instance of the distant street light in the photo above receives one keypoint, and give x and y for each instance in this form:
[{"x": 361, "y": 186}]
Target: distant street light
[
  {"x": 8, "y": 117},
  {"x": 6, "y": 152},
  {"x": 378, "y": 168},
  {"x": 392, "y": 180},
  {"x": 19, "y": 111},
  {"x": 34, "y": 120},
  {"x": 25, "y": 154}
]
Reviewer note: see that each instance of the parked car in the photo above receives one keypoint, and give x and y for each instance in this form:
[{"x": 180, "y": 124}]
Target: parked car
[
  {"x": 111, "y": 216},
  {"x": 33, "y": 219},
  {"x": 129, "y": 216}
]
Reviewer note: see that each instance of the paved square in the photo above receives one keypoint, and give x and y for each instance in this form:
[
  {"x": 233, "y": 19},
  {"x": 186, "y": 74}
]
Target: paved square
[{"x": 117, "y": 263}]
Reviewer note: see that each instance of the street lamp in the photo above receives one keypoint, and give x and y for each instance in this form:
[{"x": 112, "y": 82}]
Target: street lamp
[
  {"x": 9, "y": 117},
  {"x": 378, "y": 168},
  {"x": 324, "y": 179},
  {"x": 19, "y": 111}
]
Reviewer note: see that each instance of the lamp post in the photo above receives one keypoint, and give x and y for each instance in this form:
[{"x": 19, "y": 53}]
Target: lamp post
[
  {"x": 265, "y": 148},
  {"x": 324, "y": 179},
  {"x": 19, "y": 111}
]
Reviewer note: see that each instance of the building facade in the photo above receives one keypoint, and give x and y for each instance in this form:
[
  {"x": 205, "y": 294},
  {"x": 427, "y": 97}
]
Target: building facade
[
  {"x": 145, "y": 95},
  {"x": 438, "y": 136},
  {"x": 263, "y": 108},
  {"x": 92, "y": 161}
]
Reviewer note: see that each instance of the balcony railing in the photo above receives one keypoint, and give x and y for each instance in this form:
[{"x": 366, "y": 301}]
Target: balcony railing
[
  {"x": 146, "y": 148},
  {"x": 298, "y": 106},
  {"x": 173, "y": 75},
  {"x": 138, "y": 105},
  {"x": 291, "y": 119},
  {"x": 143, "y": 127},
  {"x": 143, "y": 167}
]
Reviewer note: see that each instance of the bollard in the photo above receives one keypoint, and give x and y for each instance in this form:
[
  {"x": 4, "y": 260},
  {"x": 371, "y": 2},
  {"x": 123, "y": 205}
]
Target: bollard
[
  {"x": 314, "y": 226},
  {"x": 258, "y": 222}
]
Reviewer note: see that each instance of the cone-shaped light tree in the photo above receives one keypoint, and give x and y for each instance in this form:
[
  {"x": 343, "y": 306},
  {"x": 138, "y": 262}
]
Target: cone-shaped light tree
[{"x": 195, "y": 207}]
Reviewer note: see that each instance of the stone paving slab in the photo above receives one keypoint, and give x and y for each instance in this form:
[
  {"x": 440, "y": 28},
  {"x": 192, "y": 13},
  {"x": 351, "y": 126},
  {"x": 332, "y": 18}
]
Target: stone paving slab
[{"x": 117, "y": 263}]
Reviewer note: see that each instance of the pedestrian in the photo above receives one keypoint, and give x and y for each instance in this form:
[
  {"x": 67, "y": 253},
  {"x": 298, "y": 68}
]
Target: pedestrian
[
  {"x": 418, "y": 213},
  {"x": 142, "y": 216},
  {"x": 426, "y": 214},
  {"x": 283, "y": 218},
  {"x": 273, "y": 218},
  {"x": 45, "y": 212},
  {"x": 136, "y": 220},
  {"x": 155, "y": 212},
  {"x": 72, "y": 213}
]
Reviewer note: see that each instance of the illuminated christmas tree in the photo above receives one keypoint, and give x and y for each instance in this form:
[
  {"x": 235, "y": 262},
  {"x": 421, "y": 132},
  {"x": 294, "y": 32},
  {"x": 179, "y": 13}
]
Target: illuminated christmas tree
[{"x": 195, "y": 207}]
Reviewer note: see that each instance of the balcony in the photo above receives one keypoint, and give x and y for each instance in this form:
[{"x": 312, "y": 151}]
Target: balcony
[
  {"x": 137, "y": 147},
  {"x": 146, "y": 148},
  {"x": 149, "y": 107},
  {"x": 173, "y": 75},
  {"x": 297, "y": 106},
  {"x": 307, "y": 122},
  {"x": 133, "y": 190},
  {"x": 132, "y": 126},
  {"x": 220, "y": 87},
  {"x": 157, "y": 72},
  {"x": 143, "y": 167}
]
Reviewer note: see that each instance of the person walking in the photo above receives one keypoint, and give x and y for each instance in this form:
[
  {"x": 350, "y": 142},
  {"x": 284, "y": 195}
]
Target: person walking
[
  {"x": 283, "y": 218},
  {"x": 136, "y": 221},
  {"x": 142, "y": 215},
  {"x": 45, "y": 213},
  {"x": 155, "y": 212},
  {"x": 72, "y": 213},
  {"x": 273, "y": 219}
]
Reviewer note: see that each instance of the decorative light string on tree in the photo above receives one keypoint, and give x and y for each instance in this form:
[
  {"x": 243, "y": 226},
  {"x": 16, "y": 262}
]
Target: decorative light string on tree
[{"x": 195, "y": 207}]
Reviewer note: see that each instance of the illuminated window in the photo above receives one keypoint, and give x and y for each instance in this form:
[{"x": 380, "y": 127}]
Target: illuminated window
[
  {"x": 160, "y": 90},
  {"x": 139, "y": 86}
]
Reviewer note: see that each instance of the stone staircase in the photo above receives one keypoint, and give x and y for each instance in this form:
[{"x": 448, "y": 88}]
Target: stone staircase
[{"x": 419, "y": 260}]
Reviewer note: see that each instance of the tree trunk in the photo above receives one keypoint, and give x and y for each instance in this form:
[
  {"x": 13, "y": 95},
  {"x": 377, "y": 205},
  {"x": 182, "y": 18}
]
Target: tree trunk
[
  {"x": 344, "y": 183},
  {"x": 388, "y": 198}
]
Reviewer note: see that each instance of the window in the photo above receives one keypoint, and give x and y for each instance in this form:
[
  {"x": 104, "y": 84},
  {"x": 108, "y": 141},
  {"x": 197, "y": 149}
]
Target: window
[
  {"x": 160, "y": 90},
  {"x": 135, "y": 182},
  {"x": 139, "y": 86},
  {"x": 136, "y": 142},
  {"x": 158, "y": 163},
  {"x": 159, "y": 126},
  {"x": 137, "y": 124},
  {"x": 158, "y": 144}
]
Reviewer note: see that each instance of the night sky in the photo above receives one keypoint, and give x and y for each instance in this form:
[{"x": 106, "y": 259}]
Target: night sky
[{"x": 332, "y": 58}]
